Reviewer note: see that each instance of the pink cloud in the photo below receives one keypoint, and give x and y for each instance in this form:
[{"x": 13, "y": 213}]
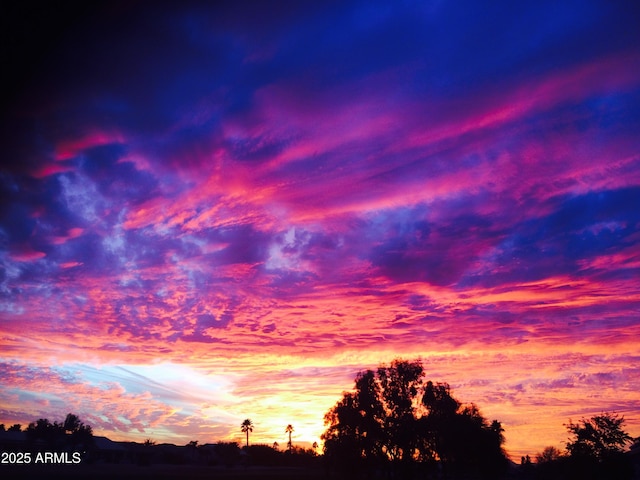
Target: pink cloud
[
  {"x": 27, "y": 254},
  {"x": 52, "y": 169},
  {"x": 71, "y": 234},
  {"x": 68, "y": 149}
]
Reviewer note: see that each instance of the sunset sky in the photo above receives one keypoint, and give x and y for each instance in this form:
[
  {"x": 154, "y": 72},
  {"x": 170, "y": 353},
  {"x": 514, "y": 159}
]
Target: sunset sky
[{"x": 219, "y": 211}]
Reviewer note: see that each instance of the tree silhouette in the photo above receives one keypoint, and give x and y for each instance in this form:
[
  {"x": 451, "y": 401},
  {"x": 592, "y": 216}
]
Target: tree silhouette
[
  {"x": 394, "y": 419},
  {"x": 43, "y": 429},
  {"x": 79, "y": 433},
  {"x": 246, "y": 427},
  {"x": 596, "y": 448},
  {"x": 599, "y": 437},
  {"x": 71, "y": 423},
  {"x": 496, "y": 428},
  {"x": 16, "y": 427},
  {"x": 355, "y": 437},
  {"x": 71, "y": 432},
  {"x": 289, "y": 430},
  {"x": 548, "y": 455}
]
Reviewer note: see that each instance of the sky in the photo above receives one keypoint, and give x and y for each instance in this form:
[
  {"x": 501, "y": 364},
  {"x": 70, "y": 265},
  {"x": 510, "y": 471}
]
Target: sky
[{"x": 215, "y": 211}]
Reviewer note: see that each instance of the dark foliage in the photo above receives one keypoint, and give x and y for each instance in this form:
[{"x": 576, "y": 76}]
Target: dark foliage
[
  {"x": 69, "y": 433},
  {"x": 595, "y": 451},
  {"x": 396, "y": 422},
  {"x": 599, "y": 437},
  {"x": 596, "y": 448},
  {"x": 264, "y": 455},
  {"x": 229, "y": 453}
]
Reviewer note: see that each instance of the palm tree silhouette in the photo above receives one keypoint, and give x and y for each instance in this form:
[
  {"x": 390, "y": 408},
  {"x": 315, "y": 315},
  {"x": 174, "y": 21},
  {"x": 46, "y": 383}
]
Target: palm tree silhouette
[
  {"x": 289, "y": 430},
  {"x": 246, "y": 427}
]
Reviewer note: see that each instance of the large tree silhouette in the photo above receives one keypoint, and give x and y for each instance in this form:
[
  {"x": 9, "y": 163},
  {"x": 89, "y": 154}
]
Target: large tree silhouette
[
  {"x": 395, "y": 420},
  {"x": 599, "y": 437},
  {"x": 246, "y": 427},
  {"x": 596, "y": 448}
]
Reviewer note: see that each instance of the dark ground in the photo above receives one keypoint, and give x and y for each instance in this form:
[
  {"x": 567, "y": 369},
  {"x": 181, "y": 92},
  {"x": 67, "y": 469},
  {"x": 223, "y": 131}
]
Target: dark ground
[{"x": 160, "y": 472}]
